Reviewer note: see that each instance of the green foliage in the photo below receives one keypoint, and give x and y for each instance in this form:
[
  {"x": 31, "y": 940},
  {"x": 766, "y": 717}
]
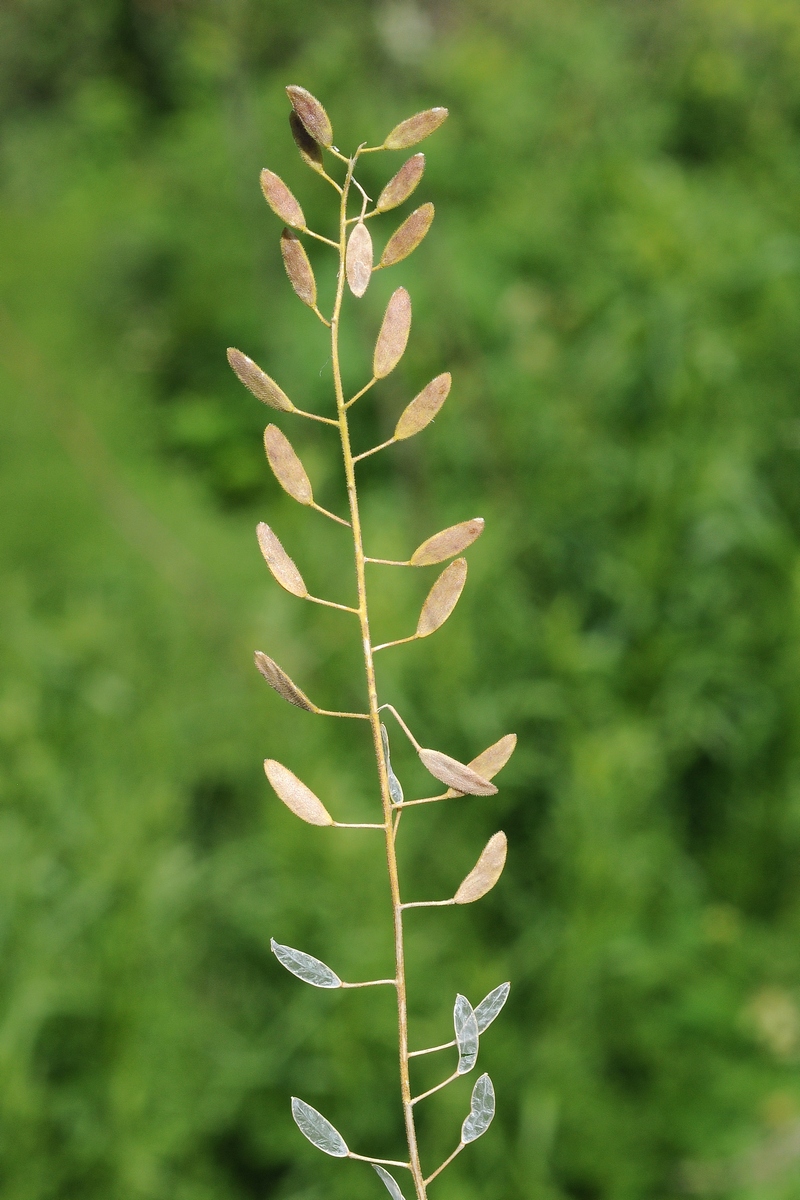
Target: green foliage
[{"x": 615, "y": 286}]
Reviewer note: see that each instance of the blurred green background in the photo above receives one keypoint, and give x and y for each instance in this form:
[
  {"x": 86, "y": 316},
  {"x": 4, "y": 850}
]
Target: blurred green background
[{"x": 613, "y": 278}]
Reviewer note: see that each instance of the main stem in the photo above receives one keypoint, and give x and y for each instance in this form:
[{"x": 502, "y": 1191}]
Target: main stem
[{"x": 374, "y": 715}]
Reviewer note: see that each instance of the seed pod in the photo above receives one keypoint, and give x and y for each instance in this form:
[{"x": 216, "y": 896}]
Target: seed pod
[
  {"x": 281, "y": 200},
  {"x": 279, "y": 562},
  {"x": 442, "y": 598},
  {"x": 424, "y": 407},
  {"x": 447, "y": 543},
  {"x": 481, "y": 1111},
  {"x": 280, "y": 682},
  {"x": 286, "y": 466},
  {"x": 295, "y": 795},
  {"x": 298, "y": 268},
  {"x": 258, "y": 382},
  {"x": 358, "y": 260},
  {"x": 408, "y": 236},
  {"x": 310, "y": 151},
  {"x": 450, "y": 771},
  {"x": 486, "y": 872},
  {"x": 318, "y": 1129},
  {"x": 415, "y": 128},
  {"x": 393, "y": 336},
  {"x": 401, "y": 185},
  {"x": 493, "y": 759},
  {"x": 311, "y": 114}
]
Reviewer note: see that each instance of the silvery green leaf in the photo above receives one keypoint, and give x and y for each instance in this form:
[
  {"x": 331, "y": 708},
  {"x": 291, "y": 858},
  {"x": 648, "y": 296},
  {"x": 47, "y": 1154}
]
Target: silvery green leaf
[
  {"x": 319, "y": 1131},
  {"x": 466, "y": 1027},
  {"x": 490, "y": 1006},
  {"x": 391, "y": 1184},
  {"x": 481, "y": 1110},
  {"x": 309, "y": 969},
  {"x": 395, "y": 790}
]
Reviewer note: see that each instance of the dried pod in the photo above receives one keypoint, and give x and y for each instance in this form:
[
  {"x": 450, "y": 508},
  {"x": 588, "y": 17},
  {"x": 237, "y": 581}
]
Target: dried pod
[
  {"x": 311, "y": 114},
  {"x": 491, "y": 1005},
  {"x": 358, "y": 260},
  {"x": 408, "y": 236},
  {"x": 310, "y": 151},
  {"x": 279, "y": 562},
  {"x": 286, "y": 466},
  {"x": 493, "y": 759},
  {"x": 258, "y": 382},
  {"x": 281, "y": 200},
  {"x": 415, "y": 128},
  {"x": 298, "y": 268},
  {"x": 305, "y": 966},
  {"x": 441, "y": 599},
  {"x": 318, "y": 1129},
  {"x": 393, "y": 335},
  {"x": 486, "y": 872},
  {"x": 467, "y": 1033},
  {"x": 280, "y": 682},
  {"x": 392, "y": 1186},
  {"x": 447, "y": 543},
  {"x": 424, "y": 407},
  {"x": 450, "y": 771},
  {"x": 295, "y": 795},
  {"x": 481, "y": 1111},
  {"x": 401, "y": 185}
]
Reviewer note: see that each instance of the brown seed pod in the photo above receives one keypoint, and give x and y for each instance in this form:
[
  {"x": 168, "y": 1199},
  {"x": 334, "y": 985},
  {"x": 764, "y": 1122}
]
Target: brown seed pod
[
  {"x": 393, "y": 335},
  {"x": 424, "y": 407},
  {"x": 280, "y": 682},
  {"x": 295, "y": 795},
  {"x": 311, "y": 114},
  {"x": 415, "y": 128},
  {"x": 447, "y": 543},
  {"x": 491, "y": 760},
  {"x": 358, "y": 260},
  {"x": 310, "y": 151},
  {"x": 408, "y": 236},
  {"x": 401, "y": 185},
  {"x": 281, "y": 200},
  {"x": 442, "y": 598},
  {"x": 486, "y": 872},
  {"x": 279, "y": 562},
  {"x": 298, "y": 268},
  {"x": 286, "y": 466},
  {"x": 258, "y": 382},
  {"x": 450, "y": 771}
]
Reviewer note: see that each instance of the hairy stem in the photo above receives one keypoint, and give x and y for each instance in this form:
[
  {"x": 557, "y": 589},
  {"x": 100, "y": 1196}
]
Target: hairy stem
[{"x": 374, "y": 716}]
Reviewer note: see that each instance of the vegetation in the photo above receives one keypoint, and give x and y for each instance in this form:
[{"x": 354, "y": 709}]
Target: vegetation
[{"x": 617, "y": 253}]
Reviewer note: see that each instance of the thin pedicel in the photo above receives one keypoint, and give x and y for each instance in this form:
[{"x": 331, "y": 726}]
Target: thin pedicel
[{"x": 313, "y": 135}]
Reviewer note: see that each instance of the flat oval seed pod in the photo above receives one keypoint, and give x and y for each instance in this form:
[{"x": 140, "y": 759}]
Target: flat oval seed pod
[
  {"x": 450, "y": 771},
  {"x": 318, "y": 1130},
  {"x": 310, "y": 151},
  {"x": 491, "y": 1005},
  {"x": 493, "y": 759},
  {"x": 281, "y": 200},
  {"x": 467, "y": 1034},
  {"x": 280, "y": 682},
  {"x": 305, "y": 966},
  {"x": 442, "y": 598},
  {"x": 298, "y": 268},
  {"x": 393, "y": 336},
  {"x": 424, "y": 407},
  {"x": 258, "y": 382},
  {"x": 481, "y": 1110},
  {"x": 407, "y": 236},
  {"x": 415, "y": 128},
  {"x": 279, "y": 562},
  {"x": 401, "y": 185},
  {"x": 295, "y": 795},
  {"x": 395, "y": 789},
  {"x": 486, "y": 872},
  {"x": 358, "y": 260},
  {"x": 311, "y": 114},
  {"x": 286, "y": 466},
  {"x": 447, "y": 543},
  {"x": 392, "y": 1186}
]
